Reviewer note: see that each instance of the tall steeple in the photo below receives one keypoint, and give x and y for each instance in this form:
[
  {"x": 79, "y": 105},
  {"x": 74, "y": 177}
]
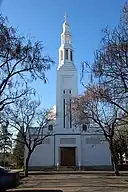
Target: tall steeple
[
  {"x": 66, "y": 82},
  {"x": 66, "y": 50}
]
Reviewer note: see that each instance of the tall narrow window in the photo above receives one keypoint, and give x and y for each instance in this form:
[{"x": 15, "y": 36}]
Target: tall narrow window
[
  {"x": 64, "y": 111},
  {"x": 61, "y": 55},
  {"x": 70, "y": 115},
  {"x": 71, "y": 55},
  {"x": 66, "y": 54},
  {"x": 50, "y": 127}
]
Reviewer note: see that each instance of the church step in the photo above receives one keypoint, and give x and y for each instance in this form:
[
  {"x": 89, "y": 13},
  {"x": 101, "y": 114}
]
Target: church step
[{"x": 65, "y": 168}]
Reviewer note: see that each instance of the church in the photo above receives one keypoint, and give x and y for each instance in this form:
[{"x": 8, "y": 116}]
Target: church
[{"x": 69, "y": 146}]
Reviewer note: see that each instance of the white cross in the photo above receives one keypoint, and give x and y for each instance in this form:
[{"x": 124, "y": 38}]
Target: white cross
[{"x": 65, "y": 17}]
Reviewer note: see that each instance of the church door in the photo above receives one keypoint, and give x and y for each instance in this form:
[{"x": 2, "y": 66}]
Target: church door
[{"x": 67, "y": 156}]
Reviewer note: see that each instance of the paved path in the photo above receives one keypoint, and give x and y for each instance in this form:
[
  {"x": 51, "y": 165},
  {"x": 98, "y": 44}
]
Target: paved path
[{"x": 77, "y": 182}]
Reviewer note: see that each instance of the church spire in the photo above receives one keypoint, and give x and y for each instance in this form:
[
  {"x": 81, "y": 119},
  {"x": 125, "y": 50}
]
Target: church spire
[
  {"x": 66, "y": 50},
  {"x": 66, "y": 35}
]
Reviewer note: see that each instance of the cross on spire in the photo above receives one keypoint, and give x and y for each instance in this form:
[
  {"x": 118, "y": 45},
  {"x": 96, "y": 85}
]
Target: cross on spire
[{"x": 65, "y": 17}]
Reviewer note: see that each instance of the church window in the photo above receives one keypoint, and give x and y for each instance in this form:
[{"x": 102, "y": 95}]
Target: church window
[
  {"x": 64, "y": 91},
  {"x": 70, "y": 91},
  {"x": 50, "y": 127},
  {"x": 64, "y": 112},
  {"x": 84, "y": 127},
  {"x": 61, "y": 55},
  {"x": 66, "y": 54},
  {"x": 71, "y": 55}
]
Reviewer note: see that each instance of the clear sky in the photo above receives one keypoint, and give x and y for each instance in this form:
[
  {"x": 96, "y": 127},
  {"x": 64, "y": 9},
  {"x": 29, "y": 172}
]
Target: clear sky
[{"x": 42, "y": 19}]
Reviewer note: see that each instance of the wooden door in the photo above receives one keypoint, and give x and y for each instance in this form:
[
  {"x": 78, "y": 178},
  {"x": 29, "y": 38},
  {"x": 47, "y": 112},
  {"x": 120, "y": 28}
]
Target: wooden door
[{"x": 67, "y": 156}]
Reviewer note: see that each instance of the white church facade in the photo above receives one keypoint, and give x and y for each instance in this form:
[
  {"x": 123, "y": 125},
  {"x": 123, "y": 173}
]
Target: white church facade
[{"x": 69, "y": 146}]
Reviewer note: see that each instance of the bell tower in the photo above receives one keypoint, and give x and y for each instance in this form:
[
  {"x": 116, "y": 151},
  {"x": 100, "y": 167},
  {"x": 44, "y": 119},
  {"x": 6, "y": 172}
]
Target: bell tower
[
  {"x": 66, "y": 50},
  {"x": 66, "y": 85}
]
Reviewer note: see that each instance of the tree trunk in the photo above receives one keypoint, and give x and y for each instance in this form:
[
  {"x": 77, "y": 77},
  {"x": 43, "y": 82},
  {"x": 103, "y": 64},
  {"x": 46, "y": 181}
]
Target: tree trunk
[
  {"x": 114, "y": 160},
  {"x": 4, "y": 163},
  {"x": 116, "y": 167},
  {"x": 26, "y": 164},
  {"x": 121, "y": 159}
]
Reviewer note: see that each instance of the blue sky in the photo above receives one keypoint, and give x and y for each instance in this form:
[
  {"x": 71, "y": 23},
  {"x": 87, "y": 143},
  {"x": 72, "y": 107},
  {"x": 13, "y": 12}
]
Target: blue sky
[{"x": 42, "y": 19}]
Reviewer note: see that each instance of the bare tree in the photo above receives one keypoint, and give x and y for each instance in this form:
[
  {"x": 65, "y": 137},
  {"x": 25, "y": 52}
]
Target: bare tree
[
  {"x": 102, "y": 116},
  {"x": 106, "y": 97},
  {"x": 21, "y": 61},
  {"x": 110, "y": 67},
  {"x": 31, "y": 122},
  {"x": 121, "y": 140}
]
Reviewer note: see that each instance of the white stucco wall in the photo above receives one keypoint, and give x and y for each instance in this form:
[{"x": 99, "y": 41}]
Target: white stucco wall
[
  {"x": 43, "y": 155},
  {"x": 87, "y": 154},
  {"x": 94, "y": 154}
]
